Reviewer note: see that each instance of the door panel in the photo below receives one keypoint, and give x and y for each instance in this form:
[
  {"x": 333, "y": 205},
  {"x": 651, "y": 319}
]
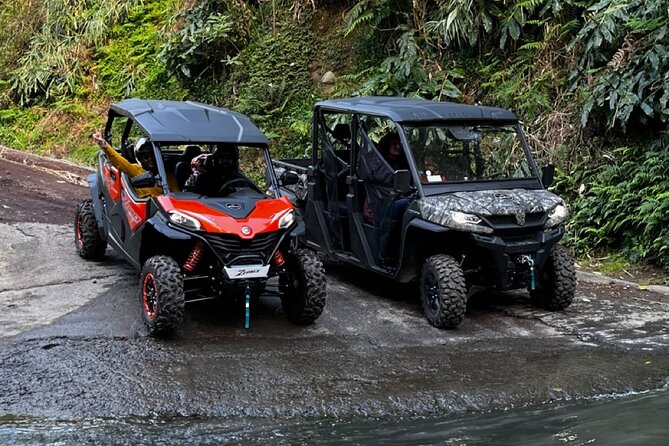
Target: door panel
[
  {"x": 112, "y": 180},
  {"x": 334, "y": 138},
  {"x": 112, "y": 193},
  {"x": 134, "y": 214}
]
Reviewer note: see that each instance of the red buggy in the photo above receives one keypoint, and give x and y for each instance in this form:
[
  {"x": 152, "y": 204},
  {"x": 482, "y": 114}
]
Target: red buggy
[{"x": 190, "y": 247}]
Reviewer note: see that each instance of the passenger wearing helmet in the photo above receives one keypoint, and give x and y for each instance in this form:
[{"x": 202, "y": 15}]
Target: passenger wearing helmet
[
  {"x": 146, "y": 160},
  {"x": 211, "y": 172},
  {"x": 144, "y": 155}
]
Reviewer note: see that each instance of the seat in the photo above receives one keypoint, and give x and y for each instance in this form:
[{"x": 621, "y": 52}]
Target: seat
[
  {"x": 454, "y": 165},
  {"x": 182, "y": 170},
  {"x": 128, "y": 152},
  {"x": 342, "y": 133}
]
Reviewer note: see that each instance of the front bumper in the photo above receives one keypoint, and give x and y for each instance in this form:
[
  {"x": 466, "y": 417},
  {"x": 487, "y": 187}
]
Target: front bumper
[{"x": 505, "y": 254}]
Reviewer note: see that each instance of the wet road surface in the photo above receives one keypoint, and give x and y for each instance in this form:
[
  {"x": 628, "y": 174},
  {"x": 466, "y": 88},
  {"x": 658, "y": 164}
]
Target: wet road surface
[{"x": 72, "y": 345}]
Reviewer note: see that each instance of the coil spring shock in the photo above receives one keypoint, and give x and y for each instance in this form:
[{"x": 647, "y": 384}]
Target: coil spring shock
[
  {"x": 194, "y": 257},
  {"x": 278, "y": 258}
]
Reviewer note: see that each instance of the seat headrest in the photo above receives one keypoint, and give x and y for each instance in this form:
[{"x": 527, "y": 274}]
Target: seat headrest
[
  {"x": 342, "y": 132},
  {"x": 191, "y": 152}
]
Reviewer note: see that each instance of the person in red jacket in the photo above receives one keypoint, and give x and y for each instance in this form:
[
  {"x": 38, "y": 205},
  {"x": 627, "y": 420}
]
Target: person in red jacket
[{"x": 147, "y": 162}]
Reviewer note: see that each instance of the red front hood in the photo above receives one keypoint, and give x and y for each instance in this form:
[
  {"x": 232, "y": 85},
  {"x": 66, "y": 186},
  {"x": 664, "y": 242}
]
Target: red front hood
[{"x": 264, "y": 217}]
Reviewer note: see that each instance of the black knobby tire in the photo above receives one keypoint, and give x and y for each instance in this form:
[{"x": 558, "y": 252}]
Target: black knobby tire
[
  {"x": 303, "y": 287},
  {"x": 90, "y": 245},
  {"x": 556, "y": 282},
  {"x": 443, "y": 291},
  {"x": 161, "y": 295}
]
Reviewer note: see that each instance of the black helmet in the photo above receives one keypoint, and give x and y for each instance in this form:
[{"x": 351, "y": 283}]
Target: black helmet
[{"x": 225, "y": 157}]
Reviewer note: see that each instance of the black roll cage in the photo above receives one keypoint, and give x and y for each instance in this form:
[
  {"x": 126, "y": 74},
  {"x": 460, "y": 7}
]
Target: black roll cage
[
  {"x": 162, "y": 173},
  {"x": 318, "y": 123}
]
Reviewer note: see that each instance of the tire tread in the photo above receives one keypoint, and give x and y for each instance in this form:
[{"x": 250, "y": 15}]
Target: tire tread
[
  {"x": 559, "y": 281},
  {"x": 171, "y": 299},
  {"x": 304, "y": 306},
  {"x": 453, "y": 288},
  {"x": 93, "y": 246}
]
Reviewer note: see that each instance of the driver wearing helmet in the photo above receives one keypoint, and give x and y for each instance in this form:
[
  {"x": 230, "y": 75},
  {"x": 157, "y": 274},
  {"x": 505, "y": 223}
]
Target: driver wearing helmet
[
  {"x": 213, "y": 171},
  {"x": 145, "y": 158}
]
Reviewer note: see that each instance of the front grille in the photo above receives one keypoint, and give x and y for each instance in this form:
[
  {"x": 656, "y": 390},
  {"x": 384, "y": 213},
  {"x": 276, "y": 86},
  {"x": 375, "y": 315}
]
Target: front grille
[
  {"x": 229, "y": 246},
  {"x": 531, "y": 219}
]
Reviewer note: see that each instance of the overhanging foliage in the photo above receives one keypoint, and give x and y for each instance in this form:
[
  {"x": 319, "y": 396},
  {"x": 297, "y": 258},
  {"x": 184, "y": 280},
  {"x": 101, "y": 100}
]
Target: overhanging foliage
[{"x": 584, "y": 75}]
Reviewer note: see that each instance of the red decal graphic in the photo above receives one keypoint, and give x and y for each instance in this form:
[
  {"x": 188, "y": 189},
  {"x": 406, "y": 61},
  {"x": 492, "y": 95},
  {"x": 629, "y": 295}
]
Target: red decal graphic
[{"x": 134, "y": 212}]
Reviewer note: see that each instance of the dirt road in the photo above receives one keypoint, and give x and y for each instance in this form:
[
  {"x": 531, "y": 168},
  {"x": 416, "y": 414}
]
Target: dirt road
[
  {"x": 72, "y": 343},
  {"x": 36, "y": 189}
]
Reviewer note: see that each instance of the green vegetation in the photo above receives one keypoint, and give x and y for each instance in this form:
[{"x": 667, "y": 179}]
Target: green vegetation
[
  {"x": 627, "y": 205},
  {"x": 613, "y": 265},
  {"x": 590, "y": 79},
  {"x": 127, "y": 63},
  {"x": 56, "y": 63},
  {"x": 624, "y": 53}
]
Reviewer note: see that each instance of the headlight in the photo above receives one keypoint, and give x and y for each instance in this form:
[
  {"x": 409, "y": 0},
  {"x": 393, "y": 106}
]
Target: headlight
[
  {"x": 436, "y": 212},
  {"x": 465, "y": 222},
  {"x": 184, "y": 220},
  {"x": 557, "y": 215},
  {"x": 461, "y": 218},
  {"x": 287, "y": 219}
]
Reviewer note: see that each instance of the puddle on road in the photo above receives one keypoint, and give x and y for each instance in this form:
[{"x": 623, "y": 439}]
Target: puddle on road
[{"x": 636, "y": 419}]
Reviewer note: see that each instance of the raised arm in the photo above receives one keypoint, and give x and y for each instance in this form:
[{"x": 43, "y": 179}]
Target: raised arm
[{"x": 115, "y": 158}]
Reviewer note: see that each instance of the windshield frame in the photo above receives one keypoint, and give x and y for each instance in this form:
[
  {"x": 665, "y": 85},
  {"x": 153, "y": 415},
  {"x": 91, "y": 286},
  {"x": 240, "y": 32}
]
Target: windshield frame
[
  {"x": 270, "y": 174},
  {"x": 430, "y": 189}
]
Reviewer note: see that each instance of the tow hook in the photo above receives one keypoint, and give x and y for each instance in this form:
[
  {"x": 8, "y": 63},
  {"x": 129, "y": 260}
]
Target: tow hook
[
  {"x": 247, "y": 308},
  {"x": 530, "y": 262}
]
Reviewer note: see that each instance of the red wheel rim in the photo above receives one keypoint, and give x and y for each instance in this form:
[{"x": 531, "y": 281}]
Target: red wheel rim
[
  {"x": 150, "y": 296},
  {"x": 77, "y": 230}
]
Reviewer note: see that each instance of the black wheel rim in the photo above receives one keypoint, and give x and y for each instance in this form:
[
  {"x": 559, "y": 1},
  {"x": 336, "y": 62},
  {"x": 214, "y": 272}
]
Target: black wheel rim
[
  {"x": 431, "y": 291},
  {"x": 150, "y": 296},
  {"x": 295, "y": 282}
]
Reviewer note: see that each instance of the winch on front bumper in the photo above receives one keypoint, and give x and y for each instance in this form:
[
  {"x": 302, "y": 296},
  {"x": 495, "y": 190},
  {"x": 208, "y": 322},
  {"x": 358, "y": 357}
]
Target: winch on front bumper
[{"x": 509, "y": 255}]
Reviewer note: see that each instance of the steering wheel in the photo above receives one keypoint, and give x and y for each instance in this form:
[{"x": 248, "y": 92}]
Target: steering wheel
[{"x": 229, "y": 183}]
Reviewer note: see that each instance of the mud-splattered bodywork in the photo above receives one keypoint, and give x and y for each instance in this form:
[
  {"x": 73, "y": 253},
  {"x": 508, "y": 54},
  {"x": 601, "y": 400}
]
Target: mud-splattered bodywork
[
  {"x": 487, "y": 204},
  {"x": 474, "y": 191},
  {"x": 496, "y": 231}
]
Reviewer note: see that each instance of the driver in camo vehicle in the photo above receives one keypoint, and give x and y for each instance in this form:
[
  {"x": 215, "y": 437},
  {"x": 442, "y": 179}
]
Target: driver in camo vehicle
[
  {"x": 475, "y": 214},
  {"x": 215, "y": 173}
]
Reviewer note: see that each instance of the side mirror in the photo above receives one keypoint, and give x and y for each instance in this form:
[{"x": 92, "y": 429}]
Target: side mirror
[
  {"x": 402, "y": 181},
  {"x": 144, "y": 180},
  {"x": 289, "y": 178},
  {"x": 547, "y": 175}
]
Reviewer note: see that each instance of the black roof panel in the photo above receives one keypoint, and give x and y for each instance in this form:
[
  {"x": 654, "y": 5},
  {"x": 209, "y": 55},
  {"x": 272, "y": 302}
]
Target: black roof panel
[
  {"x": 186, "y": 121},
  {"x": 417, "y": 110}
]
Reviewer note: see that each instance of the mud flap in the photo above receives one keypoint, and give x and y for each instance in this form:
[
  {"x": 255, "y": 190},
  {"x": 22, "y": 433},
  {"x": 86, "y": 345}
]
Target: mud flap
[
  {"x": 92, "y": 180},
  {"x": 299, "y": 230}
]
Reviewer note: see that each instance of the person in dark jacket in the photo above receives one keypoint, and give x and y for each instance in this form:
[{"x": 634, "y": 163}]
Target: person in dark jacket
[
  {"x": 393, "y": 210},
  {"x": 391, "y": 149},
  {"x": 212, "y": 171}
]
